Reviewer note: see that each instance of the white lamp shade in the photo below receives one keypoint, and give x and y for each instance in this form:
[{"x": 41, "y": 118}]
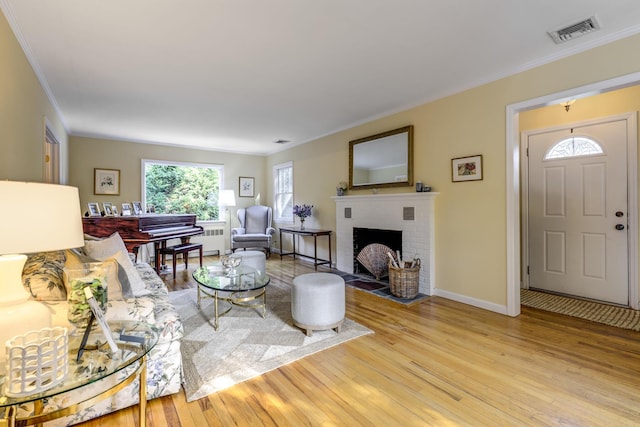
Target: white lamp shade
[
  {"x": 34, "y": 217},
  {"x": 226, "y": 198},
  {"x": 38, "y": 217}
]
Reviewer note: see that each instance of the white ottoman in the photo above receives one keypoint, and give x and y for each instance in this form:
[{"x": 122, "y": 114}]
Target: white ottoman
[
  {"x": 255, "y": 259},
  {"x": 317, "y": 302}
]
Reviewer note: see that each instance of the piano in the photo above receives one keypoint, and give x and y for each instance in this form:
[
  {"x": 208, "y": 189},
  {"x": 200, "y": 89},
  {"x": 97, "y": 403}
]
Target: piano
[{"x": 142, "y": 229}]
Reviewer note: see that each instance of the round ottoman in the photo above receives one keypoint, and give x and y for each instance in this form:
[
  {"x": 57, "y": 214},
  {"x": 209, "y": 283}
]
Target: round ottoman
[
  {"x": 317, "y": 302},
  {"x": 255, "y": 259}
]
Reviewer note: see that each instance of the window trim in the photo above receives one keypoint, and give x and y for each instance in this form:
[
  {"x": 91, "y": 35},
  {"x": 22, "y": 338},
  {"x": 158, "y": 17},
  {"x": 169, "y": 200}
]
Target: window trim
[
  {"x": 143, "y": 189},
  {"x": 573, "y": 156},
  {"x": 276, "y": 168}
]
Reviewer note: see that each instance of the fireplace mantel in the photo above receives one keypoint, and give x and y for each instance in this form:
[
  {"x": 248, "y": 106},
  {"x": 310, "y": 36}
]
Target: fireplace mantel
[{"x": 412, "y": 213}]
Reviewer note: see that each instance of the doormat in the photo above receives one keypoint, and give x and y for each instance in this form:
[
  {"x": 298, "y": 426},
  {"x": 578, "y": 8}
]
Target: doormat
[
  {"x": 611, "y": 315},
  {"x": 377, "y": 288}
]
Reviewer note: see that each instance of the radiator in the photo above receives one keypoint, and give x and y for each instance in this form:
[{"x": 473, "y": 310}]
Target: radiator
[{"x": 213, "y": 240}]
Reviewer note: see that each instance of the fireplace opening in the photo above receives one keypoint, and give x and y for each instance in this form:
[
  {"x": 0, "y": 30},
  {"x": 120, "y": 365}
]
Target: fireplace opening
[{"x": 365, "y": 236}]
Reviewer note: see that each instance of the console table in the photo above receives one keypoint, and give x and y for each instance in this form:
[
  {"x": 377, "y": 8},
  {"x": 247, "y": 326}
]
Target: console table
[{"x": 307, "y": 232}]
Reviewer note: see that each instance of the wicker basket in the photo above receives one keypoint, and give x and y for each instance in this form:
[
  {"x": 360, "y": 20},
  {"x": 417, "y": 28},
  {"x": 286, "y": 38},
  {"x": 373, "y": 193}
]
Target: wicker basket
[{"x": 404, "y": 281}]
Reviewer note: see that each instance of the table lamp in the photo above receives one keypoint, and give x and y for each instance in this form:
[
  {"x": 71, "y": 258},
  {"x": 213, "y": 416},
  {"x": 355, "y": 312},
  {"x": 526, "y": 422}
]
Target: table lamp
[
  {"x": 227, "y": 198},
  {"x": 34, "y": 217}
]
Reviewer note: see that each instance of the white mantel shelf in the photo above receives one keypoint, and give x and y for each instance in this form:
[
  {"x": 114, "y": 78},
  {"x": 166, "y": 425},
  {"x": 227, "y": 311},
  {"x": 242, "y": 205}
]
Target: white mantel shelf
[
  {"x": 391, "y": 196},
  {"x": 387, "y": 212}
]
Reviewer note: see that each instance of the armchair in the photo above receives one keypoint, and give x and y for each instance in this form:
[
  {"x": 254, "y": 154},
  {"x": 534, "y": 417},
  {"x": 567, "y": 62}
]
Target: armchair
[{"x": 255, "y": 229}]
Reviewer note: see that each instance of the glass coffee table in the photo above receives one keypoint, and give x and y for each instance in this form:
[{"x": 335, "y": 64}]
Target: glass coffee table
[
  {"x": 93, "y": 366},
  {"x": 244, "y": 286}
]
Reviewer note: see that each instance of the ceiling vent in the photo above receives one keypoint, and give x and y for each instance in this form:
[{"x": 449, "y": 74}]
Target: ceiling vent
[
  {"x": 281, "y": 141},
  {"x": 576, "y": 30}
]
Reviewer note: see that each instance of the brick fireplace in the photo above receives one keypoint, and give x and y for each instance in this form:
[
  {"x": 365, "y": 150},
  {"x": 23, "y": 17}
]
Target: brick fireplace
[{"x": 410, "y": 213}]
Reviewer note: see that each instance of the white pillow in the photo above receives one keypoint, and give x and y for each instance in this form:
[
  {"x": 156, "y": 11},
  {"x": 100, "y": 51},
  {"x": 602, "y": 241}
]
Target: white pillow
[{"x": 113, "y": 246}]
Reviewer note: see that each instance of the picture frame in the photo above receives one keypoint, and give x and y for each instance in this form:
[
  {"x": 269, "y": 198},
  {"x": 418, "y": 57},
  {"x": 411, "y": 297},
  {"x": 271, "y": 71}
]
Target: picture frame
[
  {"x": 108, "y": 208},
  {"x": 94, "y": 209},
  {"x": 467, "y": 168},
  {"x": 246, "y": 186},
  {"x": 106, "y": 182},
  {"x": 137, "y": 208},
  {"x": 126, "y": 209},
  {"x": 98, "y": 315}
]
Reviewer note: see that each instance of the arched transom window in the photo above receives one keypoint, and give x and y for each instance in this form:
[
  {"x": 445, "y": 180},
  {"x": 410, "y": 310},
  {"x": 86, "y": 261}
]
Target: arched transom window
[{"x": 574, "y": 147}]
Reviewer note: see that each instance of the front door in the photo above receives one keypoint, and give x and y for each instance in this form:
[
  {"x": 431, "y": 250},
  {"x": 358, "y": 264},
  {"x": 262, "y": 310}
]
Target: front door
[{"x": 578, "y": 243}]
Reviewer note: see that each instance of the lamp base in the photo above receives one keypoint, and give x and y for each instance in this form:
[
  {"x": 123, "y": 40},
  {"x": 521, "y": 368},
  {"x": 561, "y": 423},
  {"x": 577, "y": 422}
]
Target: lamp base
[{"x": 18, "y": 313}]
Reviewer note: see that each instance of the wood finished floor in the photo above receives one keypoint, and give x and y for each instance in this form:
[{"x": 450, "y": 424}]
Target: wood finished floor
[{"x": 438, "y": 363}]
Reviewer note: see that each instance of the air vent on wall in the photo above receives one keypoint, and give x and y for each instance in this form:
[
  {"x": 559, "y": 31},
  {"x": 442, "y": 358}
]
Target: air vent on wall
[{"x": 576, "y": 30}]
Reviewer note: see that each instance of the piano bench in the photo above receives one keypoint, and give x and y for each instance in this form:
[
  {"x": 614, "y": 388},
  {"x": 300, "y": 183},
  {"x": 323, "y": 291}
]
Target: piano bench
[{"x": 183, "y": 249}]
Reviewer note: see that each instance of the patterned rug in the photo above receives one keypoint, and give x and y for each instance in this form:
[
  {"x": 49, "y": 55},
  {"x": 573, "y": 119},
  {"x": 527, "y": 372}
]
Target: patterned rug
[
  {"x": 620, "y": 317},
  {"x": 245, "y": 345}
]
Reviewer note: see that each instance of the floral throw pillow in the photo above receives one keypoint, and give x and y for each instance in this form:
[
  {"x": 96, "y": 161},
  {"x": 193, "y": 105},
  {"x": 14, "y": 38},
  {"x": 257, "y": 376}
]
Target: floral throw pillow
[{"x": 43, "y": 276}]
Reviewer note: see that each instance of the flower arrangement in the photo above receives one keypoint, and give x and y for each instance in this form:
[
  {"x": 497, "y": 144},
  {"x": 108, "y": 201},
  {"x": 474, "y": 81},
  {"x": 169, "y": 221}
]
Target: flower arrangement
[
  {"x": 341, "y": 188},
  {"x": 302, "y": 211}
]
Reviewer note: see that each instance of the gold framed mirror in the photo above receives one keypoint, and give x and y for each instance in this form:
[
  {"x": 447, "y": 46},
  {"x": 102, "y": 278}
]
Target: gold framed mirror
[{"x": 382, "y": 160}]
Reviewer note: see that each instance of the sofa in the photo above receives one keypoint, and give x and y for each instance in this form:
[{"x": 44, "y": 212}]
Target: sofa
[{"x": 135, "y": 292}]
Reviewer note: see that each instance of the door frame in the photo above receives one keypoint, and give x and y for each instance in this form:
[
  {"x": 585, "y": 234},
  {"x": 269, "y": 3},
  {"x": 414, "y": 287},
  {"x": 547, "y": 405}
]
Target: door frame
[
  {"x": 512, "y": 190},
  {"x": 632, "y": 189}
]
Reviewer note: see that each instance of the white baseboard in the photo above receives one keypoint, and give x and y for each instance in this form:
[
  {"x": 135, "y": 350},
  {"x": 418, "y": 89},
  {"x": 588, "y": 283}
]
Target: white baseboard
[{"x": 486, "y": 305}]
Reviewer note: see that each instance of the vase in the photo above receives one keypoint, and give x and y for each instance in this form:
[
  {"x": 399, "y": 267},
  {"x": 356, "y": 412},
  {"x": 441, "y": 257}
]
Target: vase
[{"x": 301, "y": 223}]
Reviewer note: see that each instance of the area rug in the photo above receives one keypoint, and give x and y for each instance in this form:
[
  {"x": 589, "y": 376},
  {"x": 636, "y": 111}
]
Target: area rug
[
  {"x": 377, "y": 288},
  {"x": 620, "y": 317},
  {"x": 245, "y": 345}
]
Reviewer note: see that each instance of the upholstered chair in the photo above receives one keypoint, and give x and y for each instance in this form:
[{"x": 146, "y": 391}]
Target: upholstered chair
[{"x": 255, "y": 229}]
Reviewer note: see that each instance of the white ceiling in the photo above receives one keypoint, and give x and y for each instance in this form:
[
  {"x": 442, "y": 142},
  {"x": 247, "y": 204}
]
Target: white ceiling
[{"x": 237, "y": 75}]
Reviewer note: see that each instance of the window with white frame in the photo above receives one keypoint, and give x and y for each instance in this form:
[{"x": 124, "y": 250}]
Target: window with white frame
[
  {"x": 283, "y": 192},
  {"x": 573, "y": 147},
  {"x": 175, "y": 188}
]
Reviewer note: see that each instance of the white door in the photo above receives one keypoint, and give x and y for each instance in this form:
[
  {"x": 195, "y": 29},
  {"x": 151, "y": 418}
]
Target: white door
[{"x": 578, "y": 212}]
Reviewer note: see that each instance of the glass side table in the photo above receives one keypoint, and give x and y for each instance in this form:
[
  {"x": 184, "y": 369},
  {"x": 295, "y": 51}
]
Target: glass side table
[
  {"x": 93, "y": 366},
  {"x": 233, "y": 287}
]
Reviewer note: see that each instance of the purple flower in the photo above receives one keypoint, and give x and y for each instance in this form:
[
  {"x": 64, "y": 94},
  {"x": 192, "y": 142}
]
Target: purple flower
[{"x": 302, "y": 211}]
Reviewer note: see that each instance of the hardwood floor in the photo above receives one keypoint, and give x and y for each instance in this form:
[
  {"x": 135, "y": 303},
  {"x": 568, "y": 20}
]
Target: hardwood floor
[{"x": 438, "y": 363}]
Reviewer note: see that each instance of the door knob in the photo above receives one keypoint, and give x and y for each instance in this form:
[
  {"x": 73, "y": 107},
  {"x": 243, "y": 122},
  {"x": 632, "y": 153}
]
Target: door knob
[
  {"x": 619, "y": 227},
  {"x": 619, "y": 214}
]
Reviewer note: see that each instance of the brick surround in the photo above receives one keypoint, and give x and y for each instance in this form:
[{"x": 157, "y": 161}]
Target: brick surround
[{"x": 389, "y": 212}]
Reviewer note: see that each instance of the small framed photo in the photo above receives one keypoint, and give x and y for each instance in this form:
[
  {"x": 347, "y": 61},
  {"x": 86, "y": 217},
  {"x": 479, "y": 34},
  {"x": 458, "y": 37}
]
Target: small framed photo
[
  {"x": 108, "y": 208},
  {"x": 247, "y": 187},
  {"x": 137, "y": 208},
  {"x": 106, "y": 182},
  {"x": 126, "y": 209},
  {"x": 114, "y": 210},
  {"x": 466, "y": 168},
  {"x": 94, "y": 209}
]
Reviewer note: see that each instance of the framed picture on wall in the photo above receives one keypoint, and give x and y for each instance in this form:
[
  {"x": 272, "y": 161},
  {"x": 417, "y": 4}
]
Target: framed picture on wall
[
  {"x": 106, "y": 181},
  {"x": 247, "y": 186},
  {"x": 466, "y": 168}
]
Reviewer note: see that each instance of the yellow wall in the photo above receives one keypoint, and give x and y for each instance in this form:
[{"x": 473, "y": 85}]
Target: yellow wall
[
  {"x": 470, "y": 216},
  {"x": 23, "y": 106},
  {"x": 89, "y": 153}
]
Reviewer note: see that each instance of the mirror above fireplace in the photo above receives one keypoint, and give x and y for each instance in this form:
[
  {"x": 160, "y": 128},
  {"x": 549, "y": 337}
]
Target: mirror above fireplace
[{"x": 382, "y": 160}]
